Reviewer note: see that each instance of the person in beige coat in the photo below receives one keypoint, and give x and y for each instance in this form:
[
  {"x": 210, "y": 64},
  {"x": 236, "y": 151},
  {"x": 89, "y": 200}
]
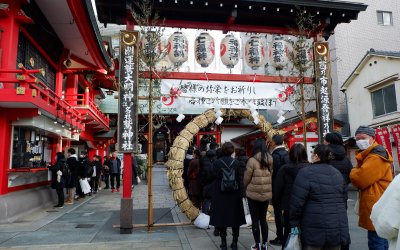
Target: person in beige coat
[{"x": 258, "y": 184}]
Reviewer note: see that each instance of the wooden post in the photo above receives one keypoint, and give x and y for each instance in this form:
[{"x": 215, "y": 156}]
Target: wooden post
[
  {"x": 86, "y": 97},
  {"x": 127, "y": 121},
  {"x": 150, "y": 157}
]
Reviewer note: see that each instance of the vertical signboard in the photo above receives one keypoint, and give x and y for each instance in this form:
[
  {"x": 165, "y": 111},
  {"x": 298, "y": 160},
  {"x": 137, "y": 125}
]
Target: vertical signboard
[
  {"x": 396, "y": 137},
  {"x": 323, "y": 89},
  {"x": 128, "y": 83},
  {"x": 382, "y": 136}
]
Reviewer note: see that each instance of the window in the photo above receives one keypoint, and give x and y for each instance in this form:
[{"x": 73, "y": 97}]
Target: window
[
  {"x": 385, "y": 18},
  {"x": 384, "y": 100},
  {"x": 30, "y": 57},
  {"x": 30, "y": 148}
]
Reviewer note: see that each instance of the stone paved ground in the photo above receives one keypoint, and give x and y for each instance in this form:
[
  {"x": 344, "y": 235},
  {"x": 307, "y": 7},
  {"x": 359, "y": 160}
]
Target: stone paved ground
[{"x": 98, "y": 217}]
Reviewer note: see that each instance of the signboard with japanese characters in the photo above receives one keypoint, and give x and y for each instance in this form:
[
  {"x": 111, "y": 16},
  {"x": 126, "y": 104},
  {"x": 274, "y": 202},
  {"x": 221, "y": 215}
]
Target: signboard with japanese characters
[
  {"x": 224, "y": 94},
  {"x": 396, "y": 137},
  {"x": 128, "y": 78},
  {"x": 382, "y": 137},
  {"x": 324, "y": 89}
]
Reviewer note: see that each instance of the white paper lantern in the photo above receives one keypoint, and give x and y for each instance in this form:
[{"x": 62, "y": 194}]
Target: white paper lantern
[
  {"x": 254, "y": 52},
  {"x": 178, "y": 48},
  {"x": 230, "y": 51},
  {"x": 304, "y": 55},
  {"x": 279, "y": 53},
  {"x": 204, "y": 49},
  {"x": 151, "y": 47}
]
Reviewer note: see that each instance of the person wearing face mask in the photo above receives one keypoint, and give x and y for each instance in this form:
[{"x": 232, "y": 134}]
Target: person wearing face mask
[
  {"x": 372, "y": 175},
  {"x": 317, "y": 204}
]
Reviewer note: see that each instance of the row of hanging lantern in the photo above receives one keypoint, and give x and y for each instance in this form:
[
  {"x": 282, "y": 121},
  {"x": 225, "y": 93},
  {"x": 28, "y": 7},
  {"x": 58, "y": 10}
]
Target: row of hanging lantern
[{"x": 255, "y": 54}]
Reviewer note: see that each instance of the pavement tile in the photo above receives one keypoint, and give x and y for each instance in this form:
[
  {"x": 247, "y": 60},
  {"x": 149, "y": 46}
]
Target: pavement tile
[{"x": 45, "y": 230}]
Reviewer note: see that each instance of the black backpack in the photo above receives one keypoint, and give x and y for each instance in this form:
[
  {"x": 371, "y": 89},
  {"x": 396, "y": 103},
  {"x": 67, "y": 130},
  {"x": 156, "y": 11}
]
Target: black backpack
[{"x": 228, "y": 183}]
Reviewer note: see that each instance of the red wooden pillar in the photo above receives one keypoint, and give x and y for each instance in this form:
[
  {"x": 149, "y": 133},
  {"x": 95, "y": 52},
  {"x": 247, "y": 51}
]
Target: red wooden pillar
[
  {"x": 59, "y": 84},
  {"x": 9, "y": 40},
  {"x": 87, "y": 96},
  {"x": 72, "y": 89},
  {"x": 126, "y": 213},
  {"x": 5, "y": 150}
]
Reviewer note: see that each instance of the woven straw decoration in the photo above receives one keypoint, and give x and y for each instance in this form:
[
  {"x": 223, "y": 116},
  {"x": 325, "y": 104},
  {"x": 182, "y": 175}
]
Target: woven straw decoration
[
  {"x": 177, "y": 153},
  {"x": 186, "y": 134}
]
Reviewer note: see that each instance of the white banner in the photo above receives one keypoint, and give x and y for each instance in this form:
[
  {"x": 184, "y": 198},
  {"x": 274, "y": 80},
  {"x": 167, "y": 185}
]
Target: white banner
[{"x": 236, "y": 95}]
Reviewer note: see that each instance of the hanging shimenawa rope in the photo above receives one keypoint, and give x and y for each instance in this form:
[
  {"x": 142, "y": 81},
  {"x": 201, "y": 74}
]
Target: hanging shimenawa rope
[{"x": 181, "y": 143}]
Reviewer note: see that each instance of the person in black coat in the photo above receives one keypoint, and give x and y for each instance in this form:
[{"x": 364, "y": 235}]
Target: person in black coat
[
  {"x": 339, "y": 160},
  {"x": 188, "y": 158},
  {"x": 317, "y": 204},
  {"x": 115, "y": 171},
  {"x": 96, "y": 170},
  {"x": 107, "y": 170},
  {"x": 227, "y": 207},
  {"x": 57, "y": 180},
  {"x": 242, "y": 159},
  {"x": 84, "y": 164},
  {"x": 134, "y": 171},
  {"x": 284, "y": 183},
  {"x": 73, "y": 165},
  {"x": 281, "y": 157},
  {"x": 206, "y": 178}
]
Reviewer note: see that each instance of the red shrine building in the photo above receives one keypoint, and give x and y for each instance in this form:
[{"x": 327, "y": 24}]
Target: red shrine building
[{"x": 52, "y": 64}]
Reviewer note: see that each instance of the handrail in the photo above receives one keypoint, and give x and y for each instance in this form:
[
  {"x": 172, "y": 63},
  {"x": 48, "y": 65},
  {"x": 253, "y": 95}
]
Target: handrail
[
  {"x": 80, "y": 100},
  {"x": 62, "y": 102},
  {"x": 43, "y": 91}
]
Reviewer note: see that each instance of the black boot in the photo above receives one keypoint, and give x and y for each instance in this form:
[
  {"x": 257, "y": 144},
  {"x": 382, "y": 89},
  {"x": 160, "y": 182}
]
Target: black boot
[
  {"x": 223, "y": 244},
  {"x": 234, "y": 245}
]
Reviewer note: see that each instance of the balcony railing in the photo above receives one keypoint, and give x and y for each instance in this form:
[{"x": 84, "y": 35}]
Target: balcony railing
[
  {"x": 27, "y": 88},
  {"x": 83, "y": 101}
]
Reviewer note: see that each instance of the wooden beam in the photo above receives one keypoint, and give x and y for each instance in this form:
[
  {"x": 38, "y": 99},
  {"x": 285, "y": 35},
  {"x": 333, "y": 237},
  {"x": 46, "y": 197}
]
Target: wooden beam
[{"x": 229, "y": 77}]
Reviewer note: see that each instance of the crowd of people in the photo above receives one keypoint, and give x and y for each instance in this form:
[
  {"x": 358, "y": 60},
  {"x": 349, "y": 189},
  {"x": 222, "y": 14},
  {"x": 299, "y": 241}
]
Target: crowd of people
[
  {"x": 310, "y": 196},
  {"x": 75, "y": 177}
]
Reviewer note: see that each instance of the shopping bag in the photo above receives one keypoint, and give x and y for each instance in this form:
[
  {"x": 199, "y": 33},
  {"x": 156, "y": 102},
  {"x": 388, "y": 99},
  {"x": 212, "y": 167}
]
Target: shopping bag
[
  {"x": 294, "y": 241},
  {"x": 246, "y": 213},
  {"x": 202, "y": 221},
  {"x": 84, "y": 186}
]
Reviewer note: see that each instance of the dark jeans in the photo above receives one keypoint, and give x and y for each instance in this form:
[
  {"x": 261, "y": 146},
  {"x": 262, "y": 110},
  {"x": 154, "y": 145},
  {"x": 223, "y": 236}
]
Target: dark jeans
[
  {"x": 258, "y": 213},
  {"x": 286, "y": 227},
  {"x": 107, "y": 180},
  {"x": 278, "y": 218},
  {"x": 117, "y": 177},
  {"x": 235, "y": 232},
  {"x": 94, "y": 183},
  {"x": 60, "y": 195},
  {"x": 375, "y": 242}
]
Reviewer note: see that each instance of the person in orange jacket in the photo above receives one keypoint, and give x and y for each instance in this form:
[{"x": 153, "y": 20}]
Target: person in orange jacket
[{"x": 372, "y": 175}]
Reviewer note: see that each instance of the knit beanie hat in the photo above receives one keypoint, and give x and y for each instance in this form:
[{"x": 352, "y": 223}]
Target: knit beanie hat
[
  {"x": 334, "y": 138},
  {"x": 366, "y": 130}
]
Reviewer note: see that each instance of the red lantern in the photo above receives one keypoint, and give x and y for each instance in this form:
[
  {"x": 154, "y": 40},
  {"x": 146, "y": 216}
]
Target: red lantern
[{"x": 204, "y": 49}]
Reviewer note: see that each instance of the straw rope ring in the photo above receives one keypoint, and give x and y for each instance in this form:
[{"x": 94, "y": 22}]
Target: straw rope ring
[{"x": 178, "y": 150}]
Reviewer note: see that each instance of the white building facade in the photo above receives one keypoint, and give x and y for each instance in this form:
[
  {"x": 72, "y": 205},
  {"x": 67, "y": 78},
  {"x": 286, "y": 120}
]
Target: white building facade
[{"x": 379, "y": 28}]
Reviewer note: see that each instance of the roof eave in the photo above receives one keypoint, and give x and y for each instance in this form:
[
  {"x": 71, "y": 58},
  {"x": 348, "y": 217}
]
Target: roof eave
[{"x": 78, "y": 8}]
